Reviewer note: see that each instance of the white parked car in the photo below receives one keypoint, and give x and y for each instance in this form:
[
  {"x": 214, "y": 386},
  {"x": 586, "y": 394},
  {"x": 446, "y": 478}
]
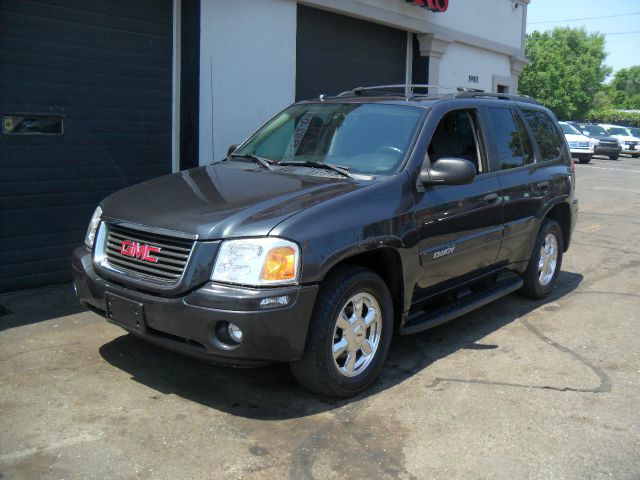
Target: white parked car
[
  {"x": 630, "y": 144},
  {"x": 580, "y": 145}
]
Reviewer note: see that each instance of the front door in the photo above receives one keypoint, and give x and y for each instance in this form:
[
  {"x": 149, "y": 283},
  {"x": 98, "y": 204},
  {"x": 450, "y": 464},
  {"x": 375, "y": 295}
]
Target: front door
[{"x": 460, "y": 227}]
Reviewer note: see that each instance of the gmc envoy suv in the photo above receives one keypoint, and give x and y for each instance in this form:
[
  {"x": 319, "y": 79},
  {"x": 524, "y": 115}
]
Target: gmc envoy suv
[{"x": 341, "y": 222}]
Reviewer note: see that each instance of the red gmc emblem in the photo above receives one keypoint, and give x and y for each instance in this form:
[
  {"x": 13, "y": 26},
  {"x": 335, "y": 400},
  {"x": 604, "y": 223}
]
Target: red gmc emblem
[{"x": 138, "y": 250}]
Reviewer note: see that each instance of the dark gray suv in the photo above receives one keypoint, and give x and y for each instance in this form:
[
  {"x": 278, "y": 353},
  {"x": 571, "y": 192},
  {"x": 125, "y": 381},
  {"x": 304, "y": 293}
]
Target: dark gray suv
[{"x": 339, "y": 223}]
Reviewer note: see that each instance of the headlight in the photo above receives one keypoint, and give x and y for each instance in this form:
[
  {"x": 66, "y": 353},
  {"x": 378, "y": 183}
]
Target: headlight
[
  {"x": 93, "y": 227},
  {"x": 257, "y": 262}
]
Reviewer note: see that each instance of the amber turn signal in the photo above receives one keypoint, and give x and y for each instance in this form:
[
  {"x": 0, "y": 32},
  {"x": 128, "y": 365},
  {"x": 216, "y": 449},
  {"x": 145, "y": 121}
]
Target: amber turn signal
[{"x": 279, "y": 265}]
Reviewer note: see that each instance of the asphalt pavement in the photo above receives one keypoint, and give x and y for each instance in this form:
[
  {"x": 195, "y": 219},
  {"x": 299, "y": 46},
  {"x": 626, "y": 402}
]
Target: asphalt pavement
[{"x": 517, "y": 389}]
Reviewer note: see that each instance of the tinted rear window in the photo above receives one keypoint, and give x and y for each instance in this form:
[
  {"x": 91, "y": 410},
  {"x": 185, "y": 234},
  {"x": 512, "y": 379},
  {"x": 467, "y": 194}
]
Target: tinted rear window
[
  {"x": 527, "y": 146},
  {"x": 545, "y": 133},
  {"x": 508, "y": 142}
]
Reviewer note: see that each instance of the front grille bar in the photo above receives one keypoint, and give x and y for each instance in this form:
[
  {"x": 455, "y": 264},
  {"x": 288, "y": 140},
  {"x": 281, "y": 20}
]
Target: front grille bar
[{"x": 172, "y": 258}]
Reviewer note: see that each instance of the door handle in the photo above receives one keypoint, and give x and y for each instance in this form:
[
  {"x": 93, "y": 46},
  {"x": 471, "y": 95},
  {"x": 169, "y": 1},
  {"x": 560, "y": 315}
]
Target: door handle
[
  {"x": 543, "y": 185},
  {"x": 490, "y": 197}
]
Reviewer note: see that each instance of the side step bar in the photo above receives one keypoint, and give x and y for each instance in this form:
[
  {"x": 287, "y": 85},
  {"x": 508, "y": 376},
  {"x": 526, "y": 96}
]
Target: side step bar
[{"x": 423, "y": 320}]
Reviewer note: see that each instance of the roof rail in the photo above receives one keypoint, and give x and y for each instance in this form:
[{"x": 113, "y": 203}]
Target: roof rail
[
  {"x": 409, "y": 90},
  {"x": 499, "y": 96},
  {"x": 406, "y": 89}
]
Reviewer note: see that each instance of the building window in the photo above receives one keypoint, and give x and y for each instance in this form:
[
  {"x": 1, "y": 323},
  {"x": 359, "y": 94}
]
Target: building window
[{"x": 32, "y": 125}]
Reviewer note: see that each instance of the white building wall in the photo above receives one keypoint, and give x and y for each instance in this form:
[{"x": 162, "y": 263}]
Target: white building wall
[
  {"x": 495, "y": 20},
  {"x": 494, "y": 23},
  {"x": 247, "y": 69},
  {"x": 461, "y": 61}
]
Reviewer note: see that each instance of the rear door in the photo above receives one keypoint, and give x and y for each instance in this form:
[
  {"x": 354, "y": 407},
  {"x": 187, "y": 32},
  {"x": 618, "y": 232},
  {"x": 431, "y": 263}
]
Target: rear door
[
  {"x": 460, "y": 226},
  {"x": 525, "y": 170}
]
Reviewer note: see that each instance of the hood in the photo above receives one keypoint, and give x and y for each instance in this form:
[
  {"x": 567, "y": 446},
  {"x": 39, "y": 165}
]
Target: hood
[
  {"x": 605, "y": 138},
  {"x": 231, "y": 199},
  {"x": 576, "y": 138},
  {"x": 627, "y": 138}
]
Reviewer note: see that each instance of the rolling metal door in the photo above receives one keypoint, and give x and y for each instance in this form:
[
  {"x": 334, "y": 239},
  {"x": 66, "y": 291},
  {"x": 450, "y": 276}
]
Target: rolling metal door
[
  {"x": 335, "y": 53},
  {"x": 105, "y": 68}
]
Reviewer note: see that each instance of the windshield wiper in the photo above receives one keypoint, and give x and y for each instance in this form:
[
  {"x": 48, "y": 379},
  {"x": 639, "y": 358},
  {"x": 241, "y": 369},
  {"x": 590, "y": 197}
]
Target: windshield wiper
[
  {"x": 259, "y": 160},
  {"x": 344, "y": 171}
]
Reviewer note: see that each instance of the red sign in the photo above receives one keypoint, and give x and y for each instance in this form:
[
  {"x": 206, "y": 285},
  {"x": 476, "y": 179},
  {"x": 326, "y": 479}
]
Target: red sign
[
  {"x": 137, "y": 250},
  {"x": 433, "y": 5}
]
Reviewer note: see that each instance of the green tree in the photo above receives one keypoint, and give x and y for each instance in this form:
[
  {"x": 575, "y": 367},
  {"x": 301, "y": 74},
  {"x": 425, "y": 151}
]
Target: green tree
[
  {"x": 565, "y": 71},
  {"x": 624, "y": 90}
]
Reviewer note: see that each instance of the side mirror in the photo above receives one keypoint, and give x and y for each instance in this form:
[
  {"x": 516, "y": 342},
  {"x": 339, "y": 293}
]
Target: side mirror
[
  {"x": 584, "y": 132},
  {"x": 448, "y": 171},
  {"x": 232, "y": 149}
]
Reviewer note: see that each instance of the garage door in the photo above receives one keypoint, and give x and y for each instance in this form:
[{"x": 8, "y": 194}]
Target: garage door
[
  {"x": 85, "y": 96},
  {"x": 336, "y": 53}
]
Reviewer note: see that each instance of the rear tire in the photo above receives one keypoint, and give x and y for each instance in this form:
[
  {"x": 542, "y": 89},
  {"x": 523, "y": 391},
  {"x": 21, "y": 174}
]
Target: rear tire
[
  {"x": 335, "y": 362},
  {"x": 544, "y": 266}
]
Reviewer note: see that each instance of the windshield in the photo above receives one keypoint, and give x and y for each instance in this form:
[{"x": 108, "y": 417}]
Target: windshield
[
  {"x": 595, "y": 130},
  {"x": 634, "y": 131},
  {"x": 568, "y": 129},
  {"x": 618, "y": 131},
  {"x": 364, "y": 138}
]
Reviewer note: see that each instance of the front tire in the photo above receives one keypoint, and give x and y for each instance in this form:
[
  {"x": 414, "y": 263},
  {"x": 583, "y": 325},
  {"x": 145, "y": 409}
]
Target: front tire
[
  {"x": 614, "y": 157},
  {"x": 584, "y": 159},
  {"x": 544, "y": 266},
  {"x": 349, "y": 335}
]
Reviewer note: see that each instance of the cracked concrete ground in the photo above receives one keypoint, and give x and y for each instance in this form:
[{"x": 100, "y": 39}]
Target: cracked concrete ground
[{"x": 518, "y": 389}]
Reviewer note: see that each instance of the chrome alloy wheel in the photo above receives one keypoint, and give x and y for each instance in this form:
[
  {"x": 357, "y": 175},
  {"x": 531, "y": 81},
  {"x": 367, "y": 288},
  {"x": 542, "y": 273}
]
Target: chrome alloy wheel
[
  {"x": 548, "y": 259},
  {"x": 357, "y": 334}
]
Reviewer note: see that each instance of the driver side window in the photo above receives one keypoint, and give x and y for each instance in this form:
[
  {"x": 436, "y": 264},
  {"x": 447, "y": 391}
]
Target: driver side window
[{"x": 458, "y": 135}]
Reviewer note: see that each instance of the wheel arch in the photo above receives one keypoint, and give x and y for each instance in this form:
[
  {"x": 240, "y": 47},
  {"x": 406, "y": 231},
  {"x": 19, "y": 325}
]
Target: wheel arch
[
  {"x": 387, "y": 263},
  {"x": 561, "y": 213}
]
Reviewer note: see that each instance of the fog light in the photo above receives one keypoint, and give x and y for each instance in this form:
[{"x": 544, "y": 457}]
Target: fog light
[
  {"x": 267, "y": 302},
  {"x": 234, "y": 332}
]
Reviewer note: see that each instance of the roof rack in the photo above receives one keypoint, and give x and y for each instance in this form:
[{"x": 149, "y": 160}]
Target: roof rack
[
  {"x": 406, "y": 89},
  {"x": 499, "y": 96},
  {"x": 409, "y": 90}
]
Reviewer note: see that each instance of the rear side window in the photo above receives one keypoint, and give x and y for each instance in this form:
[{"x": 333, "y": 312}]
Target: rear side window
[
  {"x": 545, "y": 133},
  {"x": 511, "y": 153},
  {"x": 527, "y": 146}
]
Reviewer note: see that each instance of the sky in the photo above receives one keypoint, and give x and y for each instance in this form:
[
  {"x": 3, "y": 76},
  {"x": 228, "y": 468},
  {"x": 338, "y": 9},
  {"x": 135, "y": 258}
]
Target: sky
[{"x": 623, "y": 50}]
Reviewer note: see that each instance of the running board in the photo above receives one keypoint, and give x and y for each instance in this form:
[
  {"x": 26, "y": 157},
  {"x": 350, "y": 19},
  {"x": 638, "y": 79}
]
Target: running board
[{"x": 423, "y": 320}]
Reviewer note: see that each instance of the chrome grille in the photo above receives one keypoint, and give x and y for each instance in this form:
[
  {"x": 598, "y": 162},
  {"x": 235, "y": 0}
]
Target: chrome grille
[{"x": 172, "y": 256}]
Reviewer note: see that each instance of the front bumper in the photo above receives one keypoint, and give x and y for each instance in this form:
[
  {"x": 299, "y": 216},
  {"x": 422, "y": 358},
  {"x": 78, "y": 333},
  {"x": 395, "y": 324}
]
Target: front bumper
[
  {"x": 631, "y": 149},
  {"x": 608, "y": 150},
  {"x": 189, "y": 324},
  {"x": 579, "y": 151}
]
